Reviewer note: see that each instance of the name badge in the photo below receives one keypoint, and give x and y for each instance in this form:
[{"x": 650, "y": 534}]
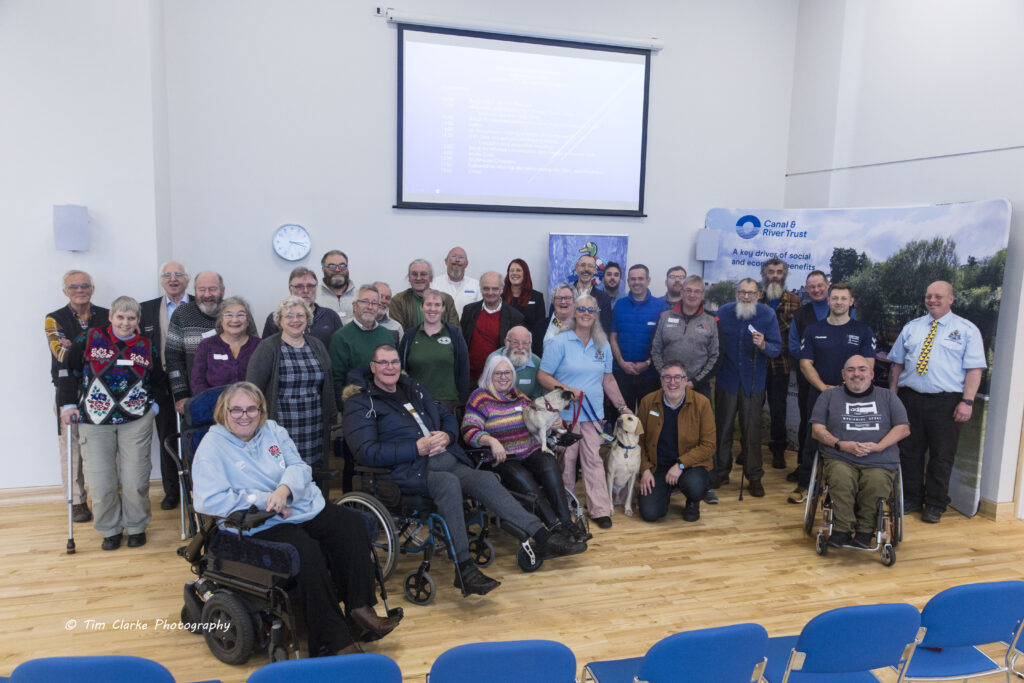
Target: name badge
[
  {"x": 220, "y": 356},
  {"x": 672, "y": 321},
  {"x": 651, "y": 323},
  {"x": 124, "y": 361},
  {"x": 62, "y": 373},
  {"x": 519, "y": 409},
  {"x": 342, "y": 313},
  {"x": 531, "y": 302},
  {"x": 526, "y": 380},
  {"x": 444, "y": 340},
  {"x": 655, "y": 414},
  {"x": 469, "y": 291},
  {"x": 208, "y": 334}
]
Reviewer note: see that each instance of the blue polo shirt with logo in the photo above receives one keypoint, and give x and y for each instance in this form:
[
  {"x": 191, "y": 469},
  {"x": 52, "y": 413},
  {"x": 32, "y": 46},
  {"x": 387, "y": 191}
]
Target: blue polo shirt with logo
[
  {"x": 583, "y": 367},
  {"x": 830, "y": 346}
]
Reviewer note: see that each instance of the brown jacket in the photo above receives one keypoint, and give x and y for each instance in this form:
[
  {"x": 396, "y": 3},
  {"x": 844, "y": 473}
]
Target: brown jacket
[{"x": 696, "y": 430}]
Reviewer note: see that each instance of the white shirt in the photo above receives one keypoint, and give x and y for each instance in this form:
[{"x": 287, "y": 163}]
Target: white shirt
[{"x": 465, "y": 291}]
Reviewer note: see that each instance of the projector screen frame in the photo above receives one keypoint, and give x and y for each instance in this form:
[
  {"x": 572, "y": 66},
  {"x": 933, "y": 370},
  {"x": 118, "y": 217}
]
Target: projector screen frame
[{"x": 508, "y": 208}]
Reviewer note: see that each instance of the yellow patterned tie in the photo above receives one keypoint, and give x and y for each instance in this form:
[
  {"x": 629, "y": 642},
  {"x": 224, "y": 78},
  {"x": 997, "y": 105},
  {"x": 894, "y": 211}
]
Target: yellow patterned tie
[{"x": 926, "y": 349}]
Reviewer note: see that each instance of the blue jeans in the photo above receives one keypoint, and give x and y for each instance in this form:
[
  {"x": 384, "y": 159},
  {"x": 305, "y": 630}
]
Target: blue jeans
[{"x": 693, "y": 482}]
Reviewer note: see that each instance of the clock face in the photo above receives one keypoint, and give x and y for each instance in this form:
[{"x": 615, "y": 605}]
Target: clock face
[{"x": 292, "y": 242}]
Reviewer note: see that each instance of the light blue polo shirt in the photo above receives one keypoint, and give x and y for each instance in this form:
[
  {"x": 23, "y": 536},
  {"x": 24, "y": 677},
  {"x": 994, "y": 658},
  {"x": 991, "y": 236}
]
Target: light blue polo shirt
[
  {"x": 956, "y": 349},
  {"x": 574, "y": 365}
]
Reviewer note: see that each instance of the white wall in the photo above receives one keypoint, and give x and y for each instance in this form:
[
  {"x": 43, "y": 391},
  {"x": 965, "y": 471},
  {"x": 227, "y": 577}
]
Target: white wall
[
  {"x": 193, "y": 129},
  {"x": 920, "y": 104},
  {"x": 75, "y": 92}
]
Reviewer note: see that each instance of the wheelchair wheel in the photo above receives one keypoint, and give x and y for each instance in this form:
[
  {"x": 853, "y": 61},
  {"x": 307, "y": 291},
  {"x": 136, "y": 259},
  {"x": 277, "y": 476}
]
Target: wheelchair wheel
[
  {"x": 821, "y": 544},
  {"x": 528, "y": 561},
  {"x": 186, "y": 621},
  {"x": 813, "y": 495},
  {"x": 385, "y": 540},
  {"x": 419, "y": 587},
  {"x": 888, "y": 555},
  {"x": 228, "y": 628},
  {"x": 897, "y": 527},
  {"x": 482, "y": 551}
]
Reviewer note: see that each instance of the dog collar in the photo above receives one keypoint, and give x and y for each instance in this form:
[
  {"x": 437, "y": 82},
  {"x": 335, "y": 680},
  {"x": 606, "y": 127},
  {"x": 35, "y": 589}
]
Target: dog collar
[
  {"x": 624, "y": 446},
  {"x": 549, "y": 407}
]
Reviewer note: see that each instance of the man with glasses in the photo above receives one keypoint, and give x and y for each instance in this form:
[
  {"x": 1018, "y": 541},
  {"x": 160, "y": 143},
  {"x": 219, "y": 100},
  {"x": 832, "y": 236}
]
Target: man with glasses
[
  {"x": 383, "y": 319},
  {"x": 463, "y": 289},
  {"x": 153, "y": 321},
  {"x": 62, "y": 327},
  {"x": 352, "y": 346},
  {"x": 677, "y": 447},
  {"x": 302, "y": 283},
  {"x": 336, "y": 291},
  {"x": 518, "y": 343},
  {"x": 785, "y": 303},
  {"x": 674, "y": 285},
  {"x": 486, "y": 322},
  {"x": 749, "y": 334},
  {"x": 406, "y": 306},
  {"x": 191, "y": 323},
  {"x": 634, "y": 319},
  {"x": 686, "y": 332},
  {"x": 586, "y": 269}
]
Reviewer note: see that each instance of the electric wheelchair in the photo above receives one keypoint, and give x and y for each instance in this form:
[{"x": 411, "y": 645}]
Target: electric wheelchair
[
  {"x": 888, "y": 530},
  {"x": 243, "y": 599}
]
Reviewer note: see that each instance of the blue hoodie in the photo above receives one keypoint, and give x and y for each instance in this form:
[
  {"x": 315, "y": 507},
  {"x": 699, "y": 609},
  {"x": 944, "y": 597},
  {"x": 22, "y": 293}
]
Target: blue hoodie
[{"x": 230, "y": 474}]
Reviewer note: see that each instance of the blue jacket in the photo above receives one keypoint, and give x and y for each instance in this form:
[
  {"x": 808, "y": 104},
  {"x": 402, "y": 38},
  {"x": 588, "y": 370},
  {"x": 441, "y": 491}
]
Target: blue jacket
[
  {"x": 743, "y": 364},
  {"x": 380, "y": 432}
]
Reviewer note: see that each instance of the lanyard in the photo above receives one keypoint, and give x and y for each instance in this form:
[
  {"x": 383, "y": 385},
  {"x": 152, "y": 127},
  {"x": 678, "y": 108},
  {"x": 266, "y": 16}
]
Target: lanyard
[{"x": 416, "y": 416}]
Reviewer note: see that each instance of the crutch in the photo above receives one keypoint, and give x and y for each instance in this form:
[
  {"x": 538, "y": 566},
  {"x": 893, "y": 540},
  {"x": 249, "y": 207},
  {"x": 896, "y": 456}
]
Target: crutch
[
  {"x": 71, "y": 483},
  {"x": 181, "y": 477}
]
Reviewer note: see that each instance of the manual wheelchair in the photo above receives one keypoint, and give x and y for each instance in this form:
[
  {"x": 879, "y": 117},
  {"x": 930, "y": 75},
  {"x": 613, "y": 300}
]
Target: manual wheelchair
[{"x": 888, "y": 530}]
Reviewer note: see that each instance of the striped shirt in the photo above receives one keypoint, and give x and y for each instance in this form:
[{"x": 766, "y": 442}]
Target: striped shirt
[{"x": 502, "y": 418}]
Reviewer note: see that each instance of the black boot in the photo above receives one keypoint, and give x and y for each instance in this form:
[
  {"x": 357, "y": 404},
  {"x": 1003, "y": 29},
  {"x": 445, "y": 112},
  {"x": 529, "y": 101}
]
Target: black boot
[
  {"x": 556, "y": 545},
  {"x": 474, "y": 581}
]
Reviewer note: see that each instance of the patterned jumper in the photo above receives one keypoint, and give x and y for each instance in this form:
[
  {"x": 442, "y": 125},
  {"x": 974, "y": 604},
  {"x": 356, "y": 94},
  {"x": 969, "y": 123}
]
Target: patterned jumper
[
  {"x": 501, "y": 417},
  {"x": 187, "y": 327}
]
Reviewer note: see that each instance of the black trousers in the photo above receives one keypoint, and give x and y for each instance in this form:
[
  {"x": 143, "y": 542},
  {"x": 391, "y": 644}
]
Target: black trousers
[
  {"x": 728, "y": 406},
  {"x": 933, "y": 440},
  {"x": 633, "y": 387},
  {"x": 806, "y": 459},
  {"x": 166, "y": 424},
  {"x": 334, "y": 563},
  {"x": 522, "y": 476},
  {"x": 777, "y": 391},
  {"x": 694, "y": 482},
  {"x": 802, "y": 387}
]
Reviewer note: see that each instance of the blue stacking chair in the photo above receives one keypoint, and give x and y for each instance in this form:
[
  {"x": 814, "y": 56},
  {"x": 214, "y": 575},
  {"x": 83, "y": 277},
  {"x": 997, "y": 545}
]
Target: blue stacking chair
[
  {"x": 364, "y": 668},
  {"x": 844, "y": 645},
  {"x": 962, "y": 617},
  {"x": 730, "y": 654},
  {"x": 517, "y": 661},
  {"x": 91, "y": 670}
]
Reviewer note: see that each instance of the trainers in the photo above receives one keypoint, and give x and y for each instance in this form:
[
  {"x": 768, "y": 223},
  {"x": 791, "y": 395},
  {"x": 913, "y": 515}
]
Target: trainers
[
  {"x": 931, "y": 514},
  {"x": 755, "y": 488},
  {"x": 80, "y": 513},
  {"x": 111, "y": 542},
  {"x": 474, "y": 581},
  {"x": 779, "y": 461},
  {"x": 710, "y": 497},
  {"x": 863, "y": 539},
  {"x": 798, "y": 496},
  {"x": 603, "y": 522},
  {"x": 839, "y": 538},
  {"x": 691, "y": 512},
  {"x": 558, "y": 545}
]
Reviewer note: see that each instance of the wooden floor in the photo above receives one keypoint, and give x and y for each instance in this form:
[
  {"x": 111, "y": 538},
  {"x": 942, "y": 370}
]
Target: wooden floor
[{"x": 743, "y": 561}]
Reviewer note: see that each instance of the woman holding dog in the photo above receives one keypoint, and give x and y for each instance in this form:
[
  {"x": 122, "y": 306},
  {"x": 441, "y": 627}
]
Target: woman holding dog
[
  {"x": 580, "y": 359},
  {"x": 247, "y": 460},
  {"x": 494, "y": 420}
]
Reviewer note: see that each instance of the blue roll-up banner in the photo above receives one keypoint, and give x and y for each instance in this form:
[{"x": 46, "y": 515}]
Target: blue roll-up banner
[
  {"x": 565, "y": 249},
  {"x": 889, "y": 256}
]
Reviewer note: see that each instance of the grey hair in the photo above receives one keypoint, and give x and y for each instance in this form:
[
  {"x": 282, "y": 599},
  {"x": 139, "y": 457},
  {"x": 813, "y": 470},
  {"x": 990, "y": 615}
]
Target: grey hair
[
  {"x": 289, "y": 302},
  {"x": 412, "y": 263},
  {"x": 302, "y": 271},
  {"x": 250, "y": 326},
  {"x": 487, "y": 376},
  {"x": 72, "y": 272},
  {"x": 691, "y": 279},
  {"x": 160, "y": 273},
  {"x": 127, "y": 305},
  {"x": 596, "y": 332},
  {"x": 212, "y": 272},
  {"x": 560, "y": 285},
  {"x": 367, "y": 288}
]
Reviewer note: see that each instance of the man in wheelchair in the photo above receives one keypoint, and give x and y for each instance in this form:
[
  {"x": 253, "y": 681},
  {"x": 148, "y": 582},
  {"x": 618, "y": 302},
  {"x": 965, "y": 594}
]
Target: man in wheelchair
[
  {"x": 391, "y": 421},
  {"x": 857, "y": 426}
]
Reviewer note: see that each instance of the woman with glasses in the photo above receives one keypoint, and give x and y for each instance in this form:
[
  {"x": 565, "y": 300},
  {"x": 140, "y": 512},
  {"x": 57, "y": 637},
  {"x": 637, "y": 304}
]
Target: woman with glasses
[
  {"x": 224, "y": 358},
  {"x": 302, "y": 283},
  {"x": 293, "y": 370},
  {"x": 580, "y": 359},
  {"x": 328, "y": 538},
  {"x": 562, "y": 298},
  {"x": 494, "y": 420},
  {"x": 435, "y": 354}
]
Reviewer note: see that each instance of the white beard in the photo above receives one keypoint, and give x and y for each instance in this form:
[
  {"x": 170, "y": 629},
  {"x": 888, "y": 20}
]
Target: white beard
[
  {"x": 518, "y": 358},
  {"x": 745, "y": 311},
  {"x": 774, "y": 290},
  {"x": 208, "y": 308}
]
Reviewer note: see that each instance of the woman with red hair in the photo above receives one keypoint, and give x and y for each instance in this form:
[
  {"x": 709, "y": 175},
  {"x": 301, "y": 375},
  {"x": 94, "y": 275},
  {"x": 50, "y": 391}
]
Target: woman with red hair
[{"x": 520, "y": 294}]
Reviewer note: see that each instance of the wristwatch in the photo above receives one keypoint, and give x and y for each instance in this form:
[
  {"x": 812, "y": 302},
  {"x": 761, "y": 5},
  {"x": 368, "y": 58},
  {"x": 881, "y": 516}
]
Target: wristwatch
[
  {"x": 968, "y": 401},
  {"x": 681, "y": 466},
  {"x": 837, "y": 445}
]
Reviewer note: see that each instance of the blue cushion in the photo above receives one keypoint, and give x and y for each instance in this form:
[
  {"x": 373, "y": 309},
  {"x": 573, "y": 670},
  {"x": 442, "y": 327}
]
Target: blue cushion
[{"x": 951, "y": 662}]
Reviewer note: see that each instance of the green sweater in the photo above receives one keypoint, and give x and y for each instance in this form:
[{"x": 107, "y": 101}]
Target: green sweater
[{"x": 352, "y": 347}]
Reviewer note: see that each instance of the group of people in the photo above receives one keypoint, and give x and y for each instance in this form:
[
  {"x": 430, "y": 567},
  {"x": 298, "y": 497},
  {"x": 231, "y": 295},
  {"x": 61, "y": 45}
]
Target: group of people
[{"x": 452, "y": 358}]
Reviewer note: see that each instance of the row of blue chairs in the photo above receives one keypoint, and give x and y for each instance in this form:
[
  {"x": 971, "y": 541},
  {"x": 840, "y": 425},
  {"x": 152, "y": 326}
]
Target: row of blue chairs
[{"x": 843, "y": 645}]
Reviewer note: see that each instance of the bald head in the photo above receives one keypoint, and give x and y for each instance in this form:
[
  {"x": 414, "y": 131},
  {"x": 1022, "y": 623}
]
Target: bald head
[
  {"x": 490, "y": 288},
  {"x": 455, "y": 263},
  {"x": 174, "y": 280},
  {"x": 857, "y": 374},
  {"x": 938, "y": 298},
  {"x": 517, "y": 346}
]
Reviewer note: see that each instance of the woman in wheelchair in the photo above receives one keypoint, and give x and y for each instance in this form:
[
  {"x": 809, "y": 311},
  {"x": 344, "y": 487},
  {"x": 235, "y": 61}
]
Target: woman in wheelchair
[
  {"x": 494, "y": 420},
  {"x": 248, "y": 460}
]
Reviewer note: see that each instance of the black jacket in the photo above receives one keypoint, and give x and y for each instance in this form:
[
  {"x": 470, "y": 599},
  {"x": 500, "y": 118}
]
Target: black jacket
[{"x": 508, "y": 317}]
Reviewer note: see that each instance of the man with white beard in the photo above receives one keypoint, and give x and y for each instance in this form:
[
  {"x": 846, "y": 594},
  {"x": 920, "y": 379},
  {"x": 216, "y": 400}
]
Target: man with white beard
[
  {"x": 518, "y": 342},
  {"x": 190, "y": 324},
  {"x": 749, "y": 335},
  {"x": 785, "y": 303}
]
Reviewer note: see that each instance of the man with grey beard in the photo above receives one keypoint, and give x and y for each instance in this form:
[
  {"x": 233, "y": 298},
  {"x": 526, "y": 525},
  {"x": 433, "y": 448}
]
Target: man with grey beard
[
  {"x": 336, "y": 292},
  {"x": 190, "y": 324},
  {"x": 785, "y": 303},
  {"x": 517, "y": 349},
  {"x": 748, "y": 333}
]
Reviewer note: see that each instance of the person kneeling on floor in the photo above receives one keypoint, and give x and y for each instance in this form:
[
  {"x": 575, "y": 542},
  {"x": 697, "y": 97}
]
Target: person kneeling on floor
[
  {"x": 678, "y": 445},
  {"x": 857, "y": 426}
]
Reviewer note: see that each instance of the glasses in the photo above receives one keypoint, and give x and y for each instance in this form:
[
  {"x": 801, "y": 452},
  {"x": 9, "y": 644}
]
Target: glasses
[
  {"x": 294, "y": 316},
  {"x": 563, "y": 299},
  {"x": 586, "y": 309},
  {"x": 396, "y": 363},
  {"x": 693, "y": 291},
  {"x": 747, "y": 292},
  {"x": 251, "y": 411},
  {"x": 75, "y": 288},
  {"x": 673, "y": 379},
  {"x": 336, "y": 266},
  {"x": 367, "y": 302},
  {"x": 239, "y": 315},
  {"x": 168, "y": 276},
  {"x": 305, "y": 287},
  {"x": 503, "y": 373}
]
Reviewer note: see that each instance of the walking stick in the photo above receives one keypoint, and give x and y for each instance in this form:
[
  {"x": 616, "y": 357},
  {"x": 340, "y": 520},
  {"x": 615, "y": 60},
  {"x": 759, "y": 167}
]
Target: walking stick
[{"x": 71, "y": 482}]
